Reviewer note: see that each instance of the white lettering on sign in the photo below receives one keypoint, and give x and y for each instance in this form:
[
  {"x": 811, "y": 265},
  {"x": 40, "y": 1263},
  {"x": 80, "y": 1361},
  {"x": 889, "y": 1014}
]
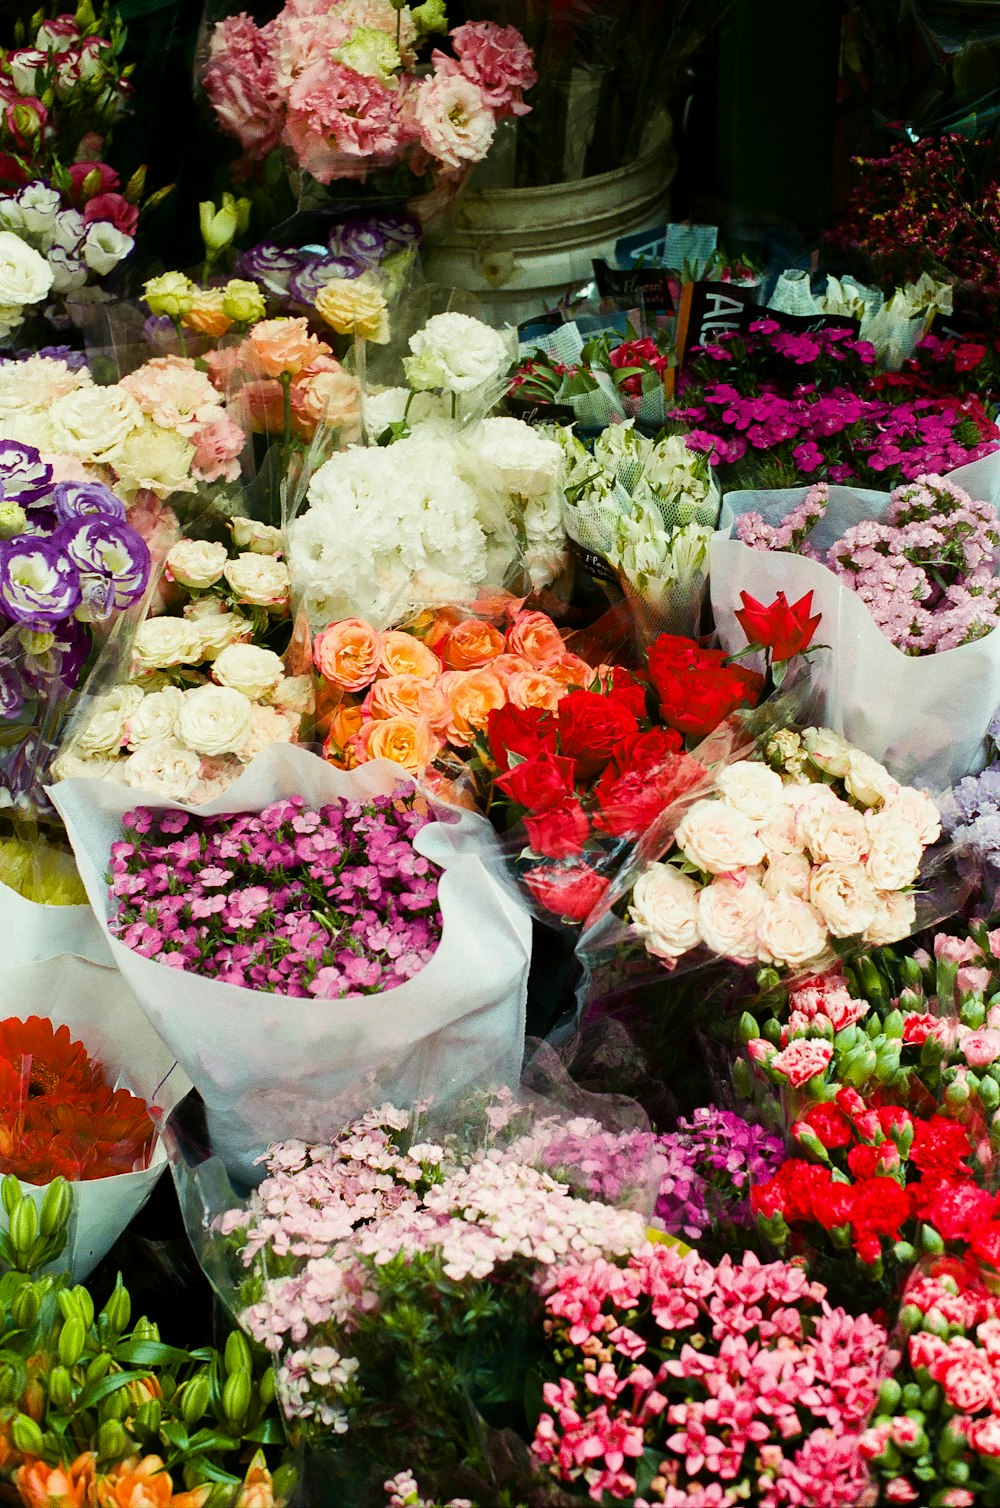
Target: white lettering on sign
[{"x": 721, "y": 313}]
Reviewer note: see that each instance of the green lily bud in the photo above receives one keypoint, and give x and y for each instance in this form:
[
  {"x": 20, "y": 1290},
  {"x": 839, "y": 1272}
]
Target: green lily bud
[
  {"x": 10, "y": 1193},
  {"x": 238, "y": 1356},
  {"x": 60, "y": 1388},
  {"x": 8, "y": 1383},
  {"x": 99, "y": 1367},
  {"x": 84, "y": 1304},
  {"x": 72, "y": 1339},
  {"x": 26, "y": 1435},
  {"x": 115, "y": 1406},
  {"x": 267, "y": 1388},
  {"x": 25, "y": 1306},
  {"x": 196, "y": 1398},
  {"x": 145, "y": 1329},
  {"x": 118, "y": 1309},
  {"x": 236, "y": 1396},
  {"x": 56, "y": 1207},
  {"x": 149, "y": 1416},
  {"x": 24, "y": 1227},
  {"x": 218, "y": 226},
  {"x": 112, "y": 1441}
]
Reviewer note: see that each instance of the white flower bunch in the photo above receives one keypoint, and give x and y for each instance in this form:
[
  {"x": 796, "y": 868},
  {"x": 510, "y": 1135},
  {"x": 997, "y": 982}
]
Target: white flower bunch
[
  {"x": 75, "y": 251},
  {"x": 778, "y": 864},
  {"x": 25, "y": 280},
  {"x": 647, "y": 508}
]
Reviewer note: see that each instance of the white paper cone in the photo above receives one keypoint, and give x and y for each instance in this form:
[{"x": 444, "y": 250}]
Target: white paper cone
[
  {"x": 270, "y": 1067},
  {"x": 31, "y": 931},
  {"x": 101, "y": 1012},
  {"x": 924, "y": 716}
]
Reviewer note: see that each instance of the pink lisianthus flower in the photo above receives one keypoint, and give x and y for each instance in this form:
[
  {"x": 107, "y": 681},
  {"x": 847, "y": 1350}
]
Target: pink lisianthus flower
[
  {"x": 114, "y": 208},
  {"x": 499, "y": 62},
  {"x": 239, "y": 82},
  {"x": 79, "y": 172},
  {"x": 339, "y": 120},
  {"x": 217, "y": 450},
  {"x": 453, "y": 119}
]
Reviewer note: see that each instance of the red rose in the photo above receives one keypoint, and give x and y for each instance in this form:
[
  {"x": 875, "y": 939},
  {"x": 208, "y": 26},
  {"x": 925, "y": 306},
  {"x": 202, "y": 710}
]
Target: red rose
[
  {"x": 525, "y": 731},
  {"x": 540, "y": 783},
  {"x": 784, "y": 628},
  {"x": 648, "y": 751},
  {"x": 569, "y": 893},
  {"x": 696, "y": 689},
  {"x": 114, "y": 207},
  {"x": 628, "y": 691},
  {"x": 830, "y": 1125},
  {"x": 559, "y": 833},
  {"x": 591, "y": 728}
]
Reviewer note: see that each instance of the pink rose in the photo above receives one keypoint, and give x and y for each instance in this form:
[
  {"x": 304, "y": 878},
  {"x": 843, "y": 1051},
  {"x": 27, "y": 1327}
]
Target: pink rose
[
  {"x": 498, "y": 61},
  {"x": 115, "y": 208},
  {"x": 803, "y": 1059}
]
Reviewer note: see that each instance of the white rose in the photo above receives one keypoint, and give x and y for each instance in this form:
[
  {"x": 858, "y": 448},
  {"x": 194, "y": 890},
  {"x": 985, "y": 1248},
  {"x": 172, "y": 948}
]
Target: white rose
[
  {"x": 780, "y": 835},
  {"x": 867, "y": 780},
  {"x": 790, "y": 932},
  {"x": 834, "y": 834},
  {"x": 93, "y": 421},
  {"x": 197, "y": 563},
  {"x": 895, "y": 918},
  {"x": 529, "y": 464},
  {"x": 827, "y": 750},
  {"x": 916, "y": 809},
  {"x": 728, "y": 913},
  {"x": 162, "y": 642},
  {"x": 718, "y": 839},
  {"x": 456, "y": 353},
  {"x": 259, "y": 580},
  {"x": 216, "y": 631},
  {"x": 269, "y": 726},
  {"x": 25, "y": 275},
  {"x": 104, "y": 246},
  {"x": 752, "y": 789},
  {"x": 664, "y": 911},
  {"x": 894, "y": 852},
  {"x": 294, "y": 695},
  {"x": 215, "y": 719},
  {"x": 787, "y": 873},
  {"x": 259, "y": 539},
  {"x": 244, "y": 667},
  {"x": 163, "y": 768},
  {"x": 69, "y": 765},
  {"x": 155, "y": 718},
  {"x": 104, "y": 733},
  {"x": 845, "y": 898}
]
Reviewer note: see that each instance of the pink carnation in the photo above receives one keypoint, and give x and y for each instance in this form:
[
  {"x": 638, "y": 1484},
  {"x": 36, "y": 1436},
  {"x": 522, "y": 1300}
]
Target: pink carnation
[
  {"x": 803, "y": 1059},
  {"x": 239, "y": 82},
  {"x": 339, "y": 120},
  {"x": 499, "y": 62},
  {"x": 217, "y": 450}
]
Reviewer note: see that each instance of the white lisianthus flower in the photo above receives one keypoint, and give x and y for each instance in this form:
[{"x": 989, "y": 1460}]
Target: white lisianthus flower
[
  {"x": 104, "y": 246},
  {"x": 664, "y": 911},
  {"x": 197, "y": 563},
  {"x": 215, "y": 720},
  {"x": 163, "y": 642},
  {"x": 163, "y": 767},
  {"x": 25, "y": 275},
  {"x": 92, "y": 422},
  {"x": 246, "y": 668},
  {"x": 380, "y": 410},
  {"x": 68, "y": 230},
  {"x": 258, "y": 580},
  {"x": 457, "y": 354},
  {"x": 39, "y": 206},
  {"x": 155, "y": 718},
  {"x": 530, "y": 464}
]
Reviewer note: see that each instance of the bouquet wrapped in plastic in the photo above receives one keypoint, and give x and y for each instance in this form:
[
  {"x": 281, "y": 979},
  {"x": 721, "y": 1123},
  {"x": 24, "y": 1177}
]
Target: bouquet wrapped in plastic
[
  {"x": 407, "y": 960},
  {"x": 605, "y": 376}
]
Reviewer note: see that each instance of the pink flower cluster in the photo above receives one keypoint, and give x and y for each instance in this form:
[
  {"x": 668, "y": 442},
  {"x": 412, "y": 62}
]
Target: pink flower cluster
[
  {"x": 332, "y": 903},
  {"x": 743, "y": 1381},
  {"x": 927, "y": 574},
  {"x": 336, "y": 85}
]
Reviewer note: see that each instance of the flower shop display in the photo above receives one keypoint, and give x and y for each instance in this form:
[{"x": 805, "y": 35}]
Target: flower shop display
[
  {"x": 887, "y": 598},
  {"x": 206, "y": 682},
  {"x": 79, "y": 1066},
  {"x": 434, "y": 1032}
]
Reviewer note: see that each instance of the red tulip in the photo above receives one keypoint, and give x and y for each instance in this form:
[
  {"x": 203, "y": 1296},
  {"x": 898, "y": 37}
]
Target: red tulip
[{"x": 784, "y": 629}]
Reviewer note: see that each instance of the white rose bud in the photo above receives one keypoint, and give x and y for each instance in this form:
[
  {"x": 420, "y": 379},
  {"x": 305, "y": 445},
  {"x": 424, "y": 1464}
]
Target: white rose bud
[
  {"x": 828, "y": 751},
  {"x": 867, "y": 780},
  {"x": 664, "y": 911},
  {"x": 197, "y": 563},
  {"x": 215, "y": 720},
  {"x": 244, "y": 667},
  {"x": 718, "y": 839},
  {"x": 259, "y": 539}
]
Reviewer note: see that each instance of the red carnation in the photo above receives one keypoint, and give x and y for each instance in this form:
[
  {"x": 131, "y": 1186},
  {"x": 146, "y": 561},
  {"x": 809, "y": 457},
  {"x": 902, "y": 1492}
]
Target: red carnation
[{"x": 830, "y": 1125}]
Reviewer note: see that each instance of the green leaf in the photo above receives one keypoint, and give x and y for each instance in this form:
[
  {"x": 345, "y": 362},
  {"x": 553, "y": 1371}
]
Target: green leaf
[
  {"x": 150, "y": 1353},
  {"x": 97, "y": 1391},
  {"x": 269, "y": 1432}
]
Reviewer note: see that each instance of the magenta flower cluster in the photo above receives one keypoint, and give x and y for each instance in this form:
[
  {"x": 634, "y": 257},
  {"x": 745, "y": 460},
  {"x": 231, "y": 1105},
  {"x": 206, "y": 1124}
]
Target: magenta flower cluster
[
  {"x": 737, "y": 1379},
  {"x": 330, "y": 902},
  {"x": 927, "y": 574}
]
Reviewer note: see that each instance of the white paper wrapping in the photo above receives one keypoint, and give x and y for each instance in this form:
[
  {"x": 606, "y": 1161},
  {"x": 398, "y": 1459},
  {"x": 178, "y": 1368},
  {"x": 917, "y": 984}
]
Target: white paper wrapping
[
  {"x": 924, "y": 716},
  {"x": 102, "y": 1013},
  {"x": 31, "y": 931},
  {"x": 270, "y": 1067}
]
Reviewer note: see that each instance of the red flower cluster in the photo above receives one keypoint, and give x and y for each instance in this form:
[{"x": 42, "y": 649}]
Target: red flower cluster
[
  {"x": 58, "y": 1115},
  {"x": 697, "y": 688},
  {"x": 883, "y": 1172}
]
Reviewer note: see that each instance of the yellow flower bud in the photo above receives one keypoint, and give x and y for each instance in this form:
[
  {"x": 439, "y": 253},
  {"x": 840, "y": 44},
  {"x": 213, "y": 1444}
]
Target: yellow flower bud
[
  {"x": 218, "y": 226},
  {"x": 171, "y": 294},
  {"x": 243, "y": 302}
]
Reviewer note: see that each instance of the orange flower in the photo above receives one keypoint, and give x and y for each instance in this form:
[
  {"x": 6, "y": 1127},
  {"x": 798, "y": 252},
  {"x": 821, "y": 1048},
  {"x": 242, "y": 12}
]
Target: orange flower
[
  {"x": 572, "y": 671},
  {"x": 347, "y": 654},
  {"x": 504, "y": 666},
  {"x": 534, "y": 688},
  {"x": 409, "y": 742},
  {"x": 145, "y": 1484},
  {"x": 401, "y": 654},
  {"x": 278, "y": 346},
  {"x": 472, "y": 644},
  {"x": 45, "y": 1486},
  {"x": 535, "y": 636},
  {"x": 205, "y": 314},
  {"x": 257, "y": 1490},
  {"x": 53, "y": 1060},
  {"x": 405, "y": 696},
  {"x": 345, "y": 725},
  {"x": 323, "y": 393},
  {"x": 472, "y": 695}
]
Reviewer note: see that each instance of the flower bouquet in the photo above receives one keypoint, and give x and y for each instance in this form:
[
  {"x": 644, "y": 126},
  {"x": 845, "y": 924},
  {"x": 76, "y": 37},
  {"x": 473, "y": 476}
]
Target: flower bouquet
[
  {"x": 44, "y": 909},
  {"x": 605, "y": 379},
  {"x": 78, "y": 1038},
  {"x": 406, "y": 960},
  {"x": 901, "y": 575}
]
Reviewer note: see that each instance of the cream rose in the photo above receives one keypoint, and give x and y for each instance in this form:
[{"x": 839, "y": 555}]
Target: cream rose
[
  {"x": 218, "y": 630},
  {"x": 215, "y": 719},
  {"x": 916, "y": 809},
  {"x": 845, "y": 898},
  {"x": 664, "y": 911},
  {"x": 828, "y": 751},
  {"x": 93, "y": 422},
  {"x": 105, "y": 731},
  {"x": 895, "y": 918},
  {"x": 259, "y": 539},
  {"x": 259, "y": 580},
  {"x": 834, "y": 834},
  {"x": 728, "y": 913},
  {"x": 787, "y": 874},
  {"x": 894, "y": 851},
  {"x": 268, "y": 726},
  {"x": 155, "y": 718},
  {"x": 244, "y": 667},
  {"x": 790, "y": 932},
  {"x": 867, "y": 780},
  {"x": 197, "y": 563},
  {"x": 69, "y": 765},
  {"x": 162, "y": 642},
  {"x": 752, "y": 789},
  {"x": 718, "y": 839},
  {"x": 25, "y": 275},
  {"x": 163, "y": 768}
]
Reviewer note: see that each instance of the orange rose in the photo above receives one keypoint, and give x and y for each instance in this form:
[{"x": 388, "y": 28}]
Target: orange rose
[
  {"x": 405, "y": 696},
  {"x": 347, "y": 654},
  {"x": 409, "y": 742},
  {"x": 505, "y": 666},
  {"x": 472, "y": 644},
  {"x": 278, "y": 346},
  {"x": 345, "y": 725},
  {"x": 402, "y": 654},
  {"x": 572, "y": 671},
  {"x": 472, "y": 696},
  {"x": 434, "y": 627},
  {"x": 323, "y": 393},
  {"x": 145, "y": 1484},
  {"x": 205, "y": 314},
  {"x": 44, "y": 1486},
  {"x": 535, "y": 636},
  {"x": 533, "y": 688}
]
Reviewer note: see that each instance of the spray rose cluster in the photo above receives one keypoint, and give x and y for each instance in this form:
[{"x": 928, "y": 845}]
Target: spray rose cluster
[
  {"x": 330, "y": 903},
  {"x": 787, "y": 855},
  {"x": 339, "y": 90}
]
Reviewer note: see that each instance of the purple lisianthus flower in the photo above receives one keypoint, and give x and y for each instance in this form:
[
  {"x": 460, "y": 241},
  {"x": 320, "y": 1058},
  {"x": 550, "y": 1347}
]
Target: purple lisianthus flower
[
  {"x": 24, "y": 476},
  {"x": 369, "y": 239},
  {"x": 305, "y": 284},
  {"x": 113, "y": 561},
  {"x": 13, "y": 691},
  {"x": 75, "y": 360},
  {"x": 39, "y": 583},
  {"x": 77, "y": 499},
  {"x": 271, "y": 265},
  {"x": 70, "y": 651}
]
